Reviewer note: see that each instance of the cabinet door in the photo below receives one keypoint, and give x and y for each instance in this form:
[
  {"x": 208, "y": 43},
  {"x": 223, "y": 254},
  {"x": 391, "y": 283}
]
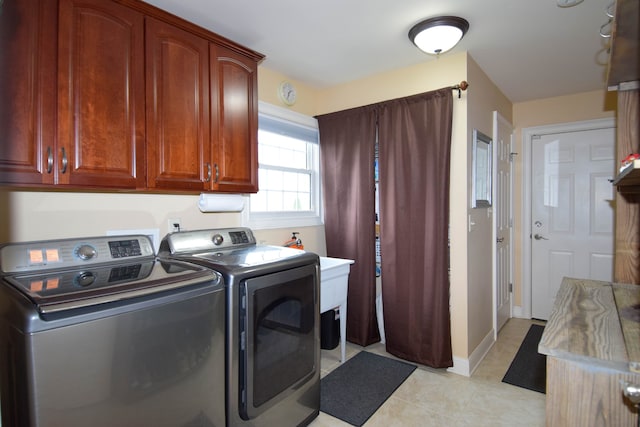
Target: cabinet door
[
  {"x": 234, "y": 121},
  {"x": 100, "y": 95},
  {"x": 27, "y": 90},
  {"x": 177, "y": 109}
]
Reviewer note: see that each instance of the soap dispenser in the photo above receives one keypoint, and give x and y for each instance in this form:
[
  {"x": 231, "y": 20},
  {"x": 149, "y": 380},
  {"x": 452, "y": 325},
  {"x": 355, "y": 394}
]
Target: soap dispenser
[{"x": 294, "y": 241}]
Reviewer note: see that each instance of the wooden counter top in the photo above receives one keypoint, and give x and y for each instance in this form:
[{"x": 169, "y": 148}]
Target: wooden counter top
[
  {"x": 591, "y": 341},
  {"x": 584, "y": 325}
]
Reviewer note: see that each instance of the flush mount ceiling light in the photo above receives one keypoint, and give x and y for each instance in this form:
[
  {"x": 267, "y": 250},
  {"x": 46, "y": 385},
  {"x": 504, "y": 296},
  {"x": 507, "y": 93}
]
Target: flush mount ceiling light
[{"x": 438, "y": 35}]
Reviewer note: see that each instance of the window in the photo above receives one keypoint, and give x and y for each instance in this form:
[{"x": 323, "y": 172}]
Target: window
[{"x": 288, "y": 173}]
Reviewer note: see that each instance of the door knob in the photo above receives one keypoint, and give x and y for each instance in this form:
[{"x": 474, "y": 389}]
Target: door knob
[
  {"x": 539, "y": 237},
  {"x": 500, "y": 239}
]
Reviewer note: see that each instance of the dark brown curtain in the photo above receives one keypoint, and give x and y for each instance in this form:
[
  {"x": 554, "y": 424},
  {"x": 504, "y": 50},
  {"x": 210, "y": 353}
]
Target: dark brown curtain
[
  {"x": 415, "y": 145},
  {"x": 347, "y": 143}
]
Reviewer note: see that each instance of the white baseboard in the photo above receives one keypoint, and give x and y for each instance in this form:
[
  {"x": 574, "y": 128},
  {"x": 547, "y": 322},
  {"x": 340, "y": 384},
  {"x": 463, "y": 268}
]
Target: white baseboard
[
  {"x": 518, "y": 312},
  {"x": 460, "y": 367},
  {"x": 466, "y": 367},
  {"x": 481, "y": 351}
]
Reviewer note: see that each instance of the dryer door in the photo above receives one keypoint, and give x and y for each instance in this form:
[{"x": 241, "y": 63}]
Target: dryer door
[{"x": 280, "y": 337}]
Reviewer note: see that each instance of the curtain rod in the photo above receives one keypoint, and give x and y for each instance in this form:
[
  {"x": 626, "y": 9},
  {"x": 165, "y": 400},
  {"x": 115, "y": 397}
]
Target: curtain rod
[{"x": 460, "y": 87}]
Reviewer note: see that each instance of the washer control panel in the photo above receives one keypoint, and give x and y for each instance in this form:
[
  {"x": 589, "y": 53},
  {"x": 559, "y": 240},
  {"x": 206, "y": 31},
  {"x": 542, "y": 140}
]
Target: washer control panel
[{"x": 65, "y": 253}]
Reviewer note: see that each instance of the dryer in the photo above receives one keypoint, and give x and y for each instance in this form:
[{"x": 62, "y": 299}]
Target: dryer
[{"x": 273, "y": 335}]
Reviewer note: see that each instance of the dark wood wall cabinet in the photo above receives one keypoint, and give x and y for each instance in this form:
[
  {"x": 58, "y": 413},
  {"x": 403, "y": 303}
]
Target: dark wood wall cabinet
[{"x": 120, "y": 95}]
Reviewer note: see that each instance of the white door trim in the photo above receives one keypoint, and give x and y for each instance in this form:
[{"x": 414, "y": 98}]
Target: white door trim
[{"x": 528, "y": 134}]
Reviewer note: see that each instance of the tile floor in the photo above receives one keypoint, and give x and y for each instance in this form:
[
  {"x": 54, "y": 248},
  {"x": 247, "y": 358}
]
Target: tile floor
[{"x": 435, "y": 397}]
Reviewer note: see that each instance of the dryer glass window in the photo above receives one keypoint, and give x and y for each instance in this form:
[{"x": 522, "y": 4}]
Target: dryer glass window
[{"x": 281, "y": 336}]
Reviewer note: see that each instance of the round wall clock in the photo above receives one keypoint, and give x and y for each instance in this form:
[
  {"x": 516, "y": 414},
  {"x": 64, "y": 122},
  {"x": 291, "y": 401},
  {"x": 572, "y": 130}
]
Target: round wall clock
[{"x": 287, "y": 93}]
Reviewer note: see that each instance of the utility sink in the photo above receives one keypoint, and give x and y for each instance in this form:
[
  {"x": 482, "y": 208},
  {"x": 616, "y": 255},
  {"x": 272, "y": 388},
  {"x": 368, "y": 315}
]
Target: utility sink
[{"x": 334, "y": 282}]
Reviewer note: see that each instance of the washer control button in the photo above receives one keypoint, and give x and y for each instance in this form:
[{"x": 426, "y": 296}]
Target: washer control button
[
  {"x": 218, "y": 239},
  {"x": 85, "y": 278},
  {"x": 85, "y": 252}
]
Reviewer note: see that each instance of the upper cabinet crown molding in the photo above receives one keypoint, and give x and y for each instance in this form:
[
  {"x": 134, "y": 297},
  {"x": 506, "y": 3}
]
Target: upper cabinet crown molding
[{"x": 163, "y": 15}]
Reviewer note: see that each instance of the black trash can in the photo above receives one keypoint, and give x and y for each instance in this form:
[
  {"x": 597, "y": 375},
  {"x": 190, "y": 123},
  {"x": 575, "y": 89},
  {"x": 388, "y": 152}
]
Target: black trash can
[{"x": 329, "y": 330}]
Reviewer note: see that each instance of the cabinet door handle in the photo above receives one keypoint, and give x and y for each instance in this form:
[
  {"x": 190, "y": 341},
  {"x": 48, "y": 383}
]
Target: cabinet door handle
[
  {"x": 49, "y": 160},
  {"x": 215, "y": 165},
  {"x": 65, "y": 161},
  {"x": 208, "y": 179}
]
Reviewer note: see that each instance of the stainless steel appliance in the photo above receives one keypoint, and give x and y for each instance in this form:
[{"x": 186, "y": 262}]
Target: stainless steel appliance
[
  {"x": 273, "y": 338},
  {"x": 98, "y": 332}
]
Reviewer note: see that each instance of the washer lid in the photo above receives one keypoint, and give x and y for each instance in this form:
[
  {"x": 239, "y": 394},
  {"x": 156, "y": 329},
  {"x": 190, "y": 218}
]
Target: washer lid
[{"x": 57, "y": 290}]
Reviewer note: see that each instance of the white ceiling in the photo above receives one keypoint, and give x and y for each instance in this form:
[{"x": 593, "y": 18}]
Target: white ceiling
[{"x": 530, "y": 49}]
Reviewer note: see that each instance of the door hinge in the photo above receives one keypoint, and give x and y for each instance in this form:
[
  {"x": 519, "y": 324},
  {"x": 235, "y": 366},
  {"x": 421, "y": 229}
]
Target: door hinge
[{"x": 510, "y": 287}]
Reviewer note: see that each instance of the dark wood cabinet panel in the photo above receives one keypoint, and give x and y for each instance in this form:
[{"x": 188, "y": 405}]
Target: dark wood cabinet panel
[
  {"x": 120, "y": 95},
  {"x": 101, "y": 126},
  {"x": 27, "y": 90},
  {"x": 234, "y": 121},
  {"x": 178, "y": 149}
]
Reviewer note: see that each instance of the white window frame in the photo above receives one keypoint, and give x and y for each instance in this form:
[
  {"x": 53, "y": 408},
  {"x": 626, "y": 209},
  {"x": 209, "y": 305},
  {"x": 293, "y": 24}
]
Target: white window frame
[{"x": 267, "y": 220}]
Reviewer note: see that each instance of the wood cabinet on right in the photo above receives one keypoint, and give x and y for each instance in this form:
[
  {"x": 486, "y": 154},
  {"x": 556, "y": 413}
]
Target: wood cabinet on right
[
  {"x": 234, "y": 121},
  {"x": 624, "y": 75},
  {"x": 592, "y": 344}
]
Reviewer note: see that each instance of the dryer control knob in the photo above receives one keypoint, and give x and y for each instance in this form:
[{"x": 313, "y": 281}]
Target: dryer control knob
[{"x": 218, "y": 239}]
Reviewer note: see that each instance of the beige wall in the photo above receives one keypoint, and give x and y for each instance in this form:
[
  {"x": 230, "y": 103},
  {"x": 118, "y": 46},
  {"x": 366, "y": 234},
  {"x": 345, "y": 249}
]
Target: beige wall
[
  {"x": 483, "y": 100},
  {"x": 429, "y": 75},
  {"x": 268, "y": 83},
  {"x": 55, "y": 215},
  {"x": 563, "y": 109}
]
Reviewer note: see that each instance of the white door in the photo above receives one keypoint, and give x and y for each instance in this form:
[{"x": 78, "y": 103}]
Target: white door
[
  {"x": 571, "y": 211},
  {"x": 502, "y": 216}
]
